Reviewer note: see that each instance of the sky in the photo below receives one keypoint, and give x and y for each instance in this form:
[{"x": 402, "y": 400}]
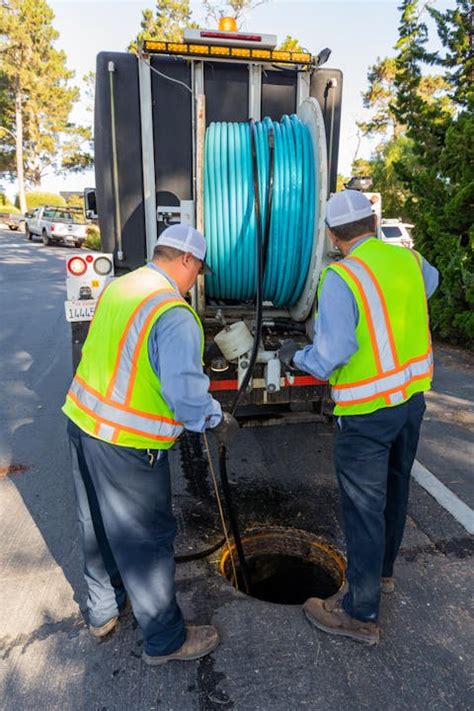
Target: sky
[{"x": 357, "y": 31}]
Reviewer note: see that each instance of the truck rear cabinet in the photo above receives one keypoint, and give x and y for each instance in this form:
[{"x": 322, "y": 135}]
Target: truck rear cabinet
[
  {"x": 123, "y": 200},
  {"x": 148, "y": 176}
]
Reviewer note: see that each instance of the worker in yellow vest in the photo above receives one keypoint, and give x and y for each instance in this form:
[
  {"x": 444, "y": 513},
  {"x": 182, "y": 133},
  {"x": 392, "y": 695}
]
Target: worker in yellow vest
[
  {"x": 140, "y": 382},
  {"x": 372, "y": 341}
]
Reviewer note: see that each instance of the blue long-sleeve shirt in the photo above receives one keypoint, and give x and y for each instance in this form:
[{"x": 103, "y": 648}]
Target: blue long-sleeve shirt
[
  {"x": 174, "y": 350},
  {"x": 335, "y": 339}
]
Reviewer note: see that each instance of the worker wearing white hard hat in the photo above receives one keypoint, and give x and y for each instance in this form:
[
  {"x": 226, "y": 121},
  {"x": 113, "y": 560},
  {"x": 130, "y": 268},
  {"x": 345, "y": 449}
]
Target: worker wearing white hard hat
[
  {"x": 140, "y": 382},
  {"x": 372, "y": 342}
]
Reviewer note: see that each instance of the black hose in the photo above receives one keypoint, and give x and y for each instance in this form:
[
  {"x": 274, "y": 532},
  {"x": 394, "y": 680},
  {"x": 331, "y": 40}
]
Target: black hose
[
  {"x": 188, "y": 557},
  {"x": 261, "y": 256}
]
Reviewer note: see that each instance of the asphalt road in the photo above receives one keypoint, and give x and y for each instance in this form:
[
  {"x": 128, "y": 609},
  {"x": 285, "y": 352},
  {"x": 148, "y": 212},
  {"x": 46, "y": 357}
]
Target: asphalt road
[{"x": 269, "y": 657}]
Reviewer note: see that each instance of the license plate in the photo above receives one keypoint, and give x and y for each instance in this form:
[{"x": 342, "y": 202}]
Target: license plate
[{"x": 80, "y": 310}]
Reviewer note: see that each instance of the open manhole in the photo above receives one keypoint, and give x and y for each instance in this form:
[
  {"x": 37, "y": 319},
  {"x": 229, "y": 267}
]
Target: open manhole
[{"x": 286, "y": 565}]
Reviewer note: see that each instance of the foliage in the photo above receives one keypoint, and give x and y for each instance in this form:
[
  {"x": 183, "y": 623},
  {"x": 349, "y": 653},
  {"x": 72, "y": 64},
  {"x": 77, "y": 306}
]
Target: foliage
[
  {"x": 386, "y": 120},
  {"x": 396, "y": 197},
  {"x": 3, "y": 199},
  {"x": 441, "y": 178},
  {"x": 290, "y": 44},
  {"x": 38, "y": 199},
  {"x": 424, "y": 166},
  {"x": 379, "y": 99},
  {"x": 362, "y": 167},
  {"x": 215, "y": 9},
  {"x": 455, "y": 32},
  {"x": 37, "y": 94},
  {"x": 9, "y": 209},
  {"x": 93, "y": 238},
  {"x": 171, "y": 17},
  {"x": 168, "y": 21},
  {"x": 341, "y": 182},
  {"x": 75, "y": 200}
]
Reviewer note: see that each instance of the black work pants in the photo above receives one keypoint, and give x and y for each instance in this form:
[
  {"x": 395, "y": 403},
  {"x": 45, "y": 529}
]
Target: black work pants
[{"x": 374, "y": 455}]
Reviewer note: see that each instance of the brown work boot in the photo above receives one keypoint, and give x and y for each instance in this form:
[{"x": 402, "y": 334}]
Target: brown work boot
[
  {"x": 387, "y": 585},
  {"x": 104, "y": 629},
  {"x": 328, "y": 616},
  {"x": 200, "y": 641},
  {"x": 108, "y": 626}
]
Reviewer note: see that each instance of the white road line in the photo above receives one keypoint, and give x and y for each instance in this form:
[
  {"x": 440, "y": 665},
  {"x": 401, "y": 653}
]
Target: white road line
[{"x": 444, "y": 496}]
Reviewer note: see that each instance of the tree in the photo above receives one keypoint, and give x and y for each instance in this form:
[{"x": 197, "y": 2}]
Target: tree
[
  {"x": 423, "y": 112},
  {"x": 290, "y": 44},
  {"x": 215, "y": 9},
  {"x": 39, "y": 96},
  {"x": 168, "y": 22},
  {"x": 379, "y": 99},
  {"x": 341, "y": 182},
  {"x": 385, "y": 166},
  {"x": 456, "y": 32},
  {"x": 362, "y": 167},
  {"x": 441, "y": 178}
]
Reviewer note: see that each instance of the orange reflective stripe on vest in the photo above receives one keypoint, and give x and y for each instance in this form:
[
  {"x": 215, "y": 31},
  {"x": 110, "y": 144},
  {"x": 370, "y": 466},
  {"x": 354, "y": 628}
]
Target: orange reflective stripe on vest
[
  {"x": 376, "y": 314},
  {"x": 392, "y": 378},
  {"x": 116, "y": 394},
  {"x": 386, "y": 386},
  {"x": 118, "y": 388},
  {"x": 114, "y": 416}
]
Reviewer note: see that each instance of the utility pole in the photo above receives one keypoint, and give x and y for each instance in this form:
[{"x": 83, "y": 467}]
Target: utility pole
[{"x": 19, "y": 148}]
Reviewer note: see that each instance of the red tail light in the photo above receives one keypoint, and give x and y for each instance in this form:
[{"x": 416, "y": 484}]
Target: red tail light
[{"x": 77, "y": 266}]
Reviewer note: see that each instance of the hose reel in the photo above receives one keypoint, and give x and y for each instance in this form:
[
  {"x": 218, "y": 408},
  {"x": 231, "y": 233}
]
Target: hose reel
[{"x": 296, "y": 227}]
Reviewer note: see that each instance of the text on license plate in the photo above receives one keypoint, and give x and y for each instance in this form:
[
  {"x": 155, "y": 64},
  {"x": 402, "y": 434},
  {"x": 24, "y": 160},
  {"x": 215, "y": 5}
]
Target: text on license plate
[{"x": 80, "y": 310}]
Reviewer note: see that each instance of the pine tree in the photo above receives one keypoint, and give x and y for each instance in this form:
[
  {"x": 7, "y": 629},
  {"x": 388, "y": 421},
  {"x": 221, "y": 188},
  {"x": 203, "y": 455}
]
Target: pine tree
[
  {"x": 40, "y": 96},
  {"x": 440, "y": 181},
  {"x": 456, "y": 32}
]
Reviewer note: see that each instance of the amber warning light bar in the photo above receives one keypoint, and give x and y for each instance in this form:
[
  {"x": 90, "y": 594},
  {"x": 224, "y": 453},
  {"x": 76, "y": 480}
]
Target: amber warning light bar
[{"x": 211, "y": 51}]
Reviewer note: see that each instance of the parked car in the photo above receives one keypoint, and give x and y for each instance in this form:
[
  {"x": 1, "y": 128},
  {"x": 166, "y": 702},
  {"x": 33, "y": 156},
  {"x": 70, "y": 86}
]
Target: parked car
[
  {"x": 396, "y": 232},
  {"x": 57, "y": 225},
  {"x": 14, "y": 221}
]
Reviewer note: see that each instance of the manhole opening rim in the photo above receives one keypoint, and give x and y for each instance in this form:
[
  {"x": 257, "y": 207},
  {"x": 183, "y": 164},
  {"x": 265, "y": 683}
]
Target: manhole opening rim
[{"x": 276, "y": 540}]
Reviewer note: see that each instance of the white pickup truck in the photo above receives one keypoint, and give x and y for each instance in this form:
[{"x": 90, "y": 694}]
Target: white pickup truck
[{"x": 56, "y": 225}]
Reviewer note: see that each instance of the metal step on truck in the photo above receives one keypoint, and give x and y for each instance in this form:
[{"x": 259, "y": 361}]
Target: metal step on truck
[{"x": 229, "y": 134}]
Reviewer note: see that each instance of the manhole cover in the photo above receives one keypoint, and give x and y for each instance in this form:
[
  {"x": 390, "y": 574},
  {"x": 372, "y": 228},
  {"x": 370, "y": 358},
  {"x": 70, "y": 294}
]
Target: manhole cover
[{"x": 286, "y": 565}]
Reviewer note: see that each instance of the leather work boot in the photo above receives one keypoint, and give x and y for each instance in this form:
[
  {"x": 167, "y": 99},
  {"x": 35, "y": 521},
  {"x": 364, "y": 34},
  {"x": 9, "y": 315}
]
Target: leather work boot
[
  {"x": 104, "y": 629},
  {"x": 200, "y": 641},
  {"x": 328, "y": 616},
  {"x": 108, "y": 626},
  {"x": 387, "y": 585}
]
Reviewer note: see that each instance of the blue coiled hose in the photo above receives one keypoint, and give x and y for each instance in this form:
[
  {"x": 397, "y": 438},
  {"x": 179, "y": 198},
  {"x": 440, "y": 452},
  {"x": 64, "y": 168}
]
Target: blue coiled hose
[{"x": 230, "y": 222}]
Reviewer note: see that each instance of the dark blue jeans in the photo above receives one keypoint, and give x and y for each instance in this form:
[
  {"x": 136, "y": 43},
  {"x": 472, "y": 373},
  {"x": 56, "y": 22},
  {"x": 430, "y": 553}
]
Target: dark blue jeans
[
  {"x": 128, "y": 531},
  {"x": 374, "y": 455}
]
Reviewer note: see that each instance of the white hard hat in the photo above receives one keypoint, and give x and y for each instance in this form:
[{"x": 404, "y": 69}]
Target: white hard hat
[
  {"x": 347, "y": 206},
  {"x": 186, "y": 239}
]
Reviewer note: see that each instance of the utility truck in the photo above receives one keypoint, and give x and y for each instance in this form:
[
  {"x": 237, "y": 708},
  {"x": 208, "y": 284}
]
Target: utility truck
[{"x": 227, "y": 133}]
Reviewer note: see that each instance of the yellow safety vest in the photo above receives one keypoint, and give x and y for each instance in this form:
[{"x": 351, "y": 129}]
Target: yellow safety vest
[
  {"x": 116, "y": 395},
  {"x": 394, "y": 359}
]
